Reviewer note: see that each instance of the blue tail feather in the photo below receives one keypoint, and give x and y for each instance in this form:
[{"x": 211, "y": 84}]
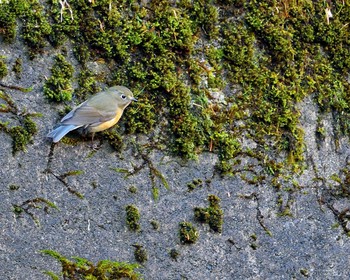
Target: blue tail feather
[{"x": 61, "y": 131}]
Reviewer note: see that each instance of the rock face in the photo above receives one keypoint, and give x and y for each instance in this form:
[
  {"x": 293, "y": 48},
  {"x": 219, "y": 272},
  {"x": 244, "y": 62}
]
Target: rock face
[{"x": 188, "y": 220}]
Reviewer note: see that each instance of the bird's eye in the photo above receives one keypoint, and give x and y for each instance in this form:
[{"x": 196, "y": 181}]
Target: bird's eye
[{"x": 123, "y": 96}]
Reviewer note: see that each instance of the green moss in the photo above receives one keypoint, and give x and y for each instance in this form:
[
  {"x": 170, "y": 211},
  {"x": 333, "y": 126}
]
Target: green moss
[
  {"x": 141, "y": 116},
  {"x": 261, "y": 57},
  {"x": 140, "y": 253},
  {"x": 155, "y": 224},
  {"x": 64, "y": 22},
  {"x": 196, "y": 183},
  {"x": 17, "y": 67},
  {"x": 58, "y": 87},
  {"x": 17, "y": 210},
  {"x": 253, "y": 237},
  {"x": 133, "y": 218},
  {"x": 229, "y": 148},
  {"x": 114, "y": 139},
  {"x": 188, "y": 233},
  {"x": 8, "y": 23},
  {"x": 35, "y": 203},
  {"x": 21, "y": 138},
  {"x": 304, "y": 272},
  {"x": 80, "y": 268},
  {"x": 253, "y": 245},
  {"x": 341, "y": 188},
  {"x": 3, "y": 67},
  {"x": 35, "y": 25},
  {"x": 87, "y": 85},
  {"x": 174, "y": 254},
  {"x": 212, "y": 215},
  {"x": 13, "y": 187},
  {"x": 73, "y": 139},
  {"x": 21, "y": 134},
  {"x": 133, "y": 189}
]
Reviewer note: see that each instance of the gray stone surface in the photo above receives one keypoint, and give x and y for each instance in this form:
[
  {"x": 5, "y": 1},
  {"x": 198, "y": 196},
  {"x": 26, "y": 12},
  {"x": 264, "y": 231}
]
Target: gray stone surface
[{"x": 95, "y": 227}]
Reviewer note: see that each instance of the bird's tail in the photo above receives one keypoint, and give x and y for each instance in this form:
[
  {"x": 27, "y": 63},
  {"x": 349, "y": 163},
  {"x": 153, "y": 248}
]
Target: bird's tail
[{"x": 60, "y": 131}]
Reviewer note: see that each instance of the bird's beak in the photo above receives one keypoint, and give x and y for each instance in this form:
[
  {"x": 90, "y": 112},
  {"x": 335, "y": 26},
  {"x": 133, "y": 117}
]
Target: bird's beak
[{"x": 134, "y": 99}]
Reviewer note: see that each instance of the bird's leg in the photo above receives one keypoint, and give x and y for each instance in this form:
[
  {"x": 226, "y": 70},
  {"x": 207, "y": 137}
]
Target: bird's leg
[{"x": 95, "y": 147}]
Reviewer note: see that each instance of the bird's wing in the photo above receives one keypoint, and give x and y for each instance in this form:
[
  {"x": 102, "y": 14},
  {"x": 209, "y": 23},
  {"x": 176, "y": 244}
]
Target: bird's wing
[{"x": 86, "y": 114}]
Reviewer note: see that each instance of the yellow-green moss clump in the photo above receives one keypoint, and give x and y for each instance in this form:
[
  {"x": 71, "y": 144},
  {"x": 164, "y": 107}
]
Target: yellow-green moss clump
[
  {"x": 140, "y": 253},
  {"x": 196, "y": 183},
  {"x": 174, "y": 254},
  {"x": 3, "y": 67},
  {"x": 22, "y": 133},
  {"x": 133, "y": 217},
  {"x": 188, "y": 233},
  {"x": 80, "y": 268},
  {"x": 17, "y": 67},
  {"x": 58, "y": 87},
  {"x": 212, "y": 215},
  {"x": 35, "y": 203},
  {"x": 35, "y": 25}
]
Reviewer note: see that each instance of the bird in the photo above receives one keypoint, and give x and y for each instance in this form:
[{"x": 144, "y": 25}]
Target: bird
[{"x": 100, "y": 112}]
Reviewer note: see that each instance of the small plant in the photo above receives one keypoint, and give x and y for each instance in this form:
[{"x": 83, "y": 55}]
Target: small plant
[
  {"x": 17, "y": 67},
  {"x": 58, "y": 87},
  {"x": 3, "y": 67},
  {"x": 83, "y": 269},
  {"x": 212, "y": 215},
  {"x": 196, "y": 183},
  {"x": 30, "y": 204},
  {"x": 21, "y": 134},
  {"x": 132, "y": 218},
  {"x": 140, "y": 253},
  {"x": 188, "y": 233},
  {"x": 155, "y": 224},
  {"x": 174, "y": 254}
]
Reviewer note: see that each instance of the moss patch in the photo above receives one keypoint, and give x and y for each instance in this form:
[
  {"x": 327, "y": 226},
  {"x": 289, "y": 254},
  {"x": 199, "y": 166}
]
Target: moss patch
[
  {"x": 208, "y": 75},
  {"x": 140, "y": 253},
  {"x": 58, "y": 87},
  {"x": 17, "y": 67},
  {"x": 133, "y": 218},
  {"x": 80, "y": 268},
  {"x": 21, "y": 133},
  {"x": 3, "y": 67},
  {"x": 188, "y": 233},
  {"x": 30, "y": 205},
  {"x": 212, "y": 215}
]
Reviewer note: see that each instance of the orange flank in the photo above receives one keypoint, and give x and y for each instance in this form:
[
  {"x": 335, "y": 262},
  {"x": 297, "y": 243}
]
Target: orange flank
[{"x": 107, "y": 124}]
